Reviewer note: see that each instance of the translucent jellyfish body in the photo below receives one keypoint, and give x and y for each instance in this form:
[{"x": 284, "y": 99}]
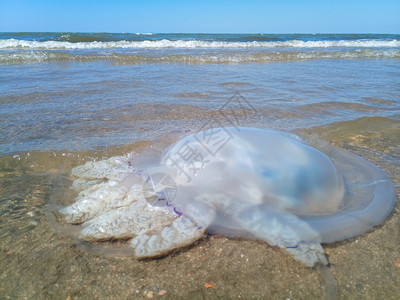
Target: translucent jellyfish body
[{"x": 244, "y": 182}]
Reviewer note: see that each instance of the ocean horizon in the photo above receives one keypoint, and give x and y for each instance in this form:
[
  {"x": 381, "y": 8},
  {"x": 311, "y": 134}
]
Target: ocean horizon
[{"x": 233, "y": 48}]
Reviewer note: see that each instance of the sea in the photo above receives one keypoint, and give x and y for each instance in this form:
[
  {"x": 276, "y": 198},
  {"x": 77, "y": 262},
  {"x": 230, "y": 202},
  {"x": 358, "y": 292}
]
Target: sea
[{"x": 68, "y": 98}]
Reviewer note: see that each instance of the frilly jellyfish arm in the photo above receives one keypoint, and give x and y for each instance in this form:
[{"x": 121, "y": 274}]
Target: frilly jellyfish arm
[
  {"x": 126, "y": 222},
  {"x": 285, "y": 230},
  {"x": 193, "y": 219},
  {"x": 127, "y": 214},
  {"x": 182, "y": 232},
  {"x": 118, "y": 191}
]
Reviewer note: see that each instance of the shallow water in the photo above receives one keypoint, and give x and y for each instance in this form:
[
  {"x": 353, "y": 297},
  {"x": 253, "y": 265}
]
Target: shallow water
[{"x": 60, "y": 113}]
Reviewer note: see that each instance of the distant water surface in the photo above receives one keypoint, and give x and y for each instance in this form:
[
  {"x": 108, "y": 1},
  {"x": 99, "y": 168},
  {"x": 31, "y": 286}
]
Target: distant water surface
[{"x": 76, "y": 91}]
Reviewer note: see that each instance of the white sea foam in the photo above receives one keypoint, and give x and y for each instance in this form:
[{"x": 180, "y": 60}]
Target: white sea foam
[
  {"x": 195, "y": 44},
  {"x": 223, "y": 57}
]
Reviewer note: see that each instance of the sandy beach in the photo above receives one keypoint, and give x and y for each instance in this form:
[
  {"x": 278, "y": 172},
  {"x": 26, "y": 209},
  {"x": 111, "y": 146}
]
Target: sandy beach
[{"x": 366, "y": 266}]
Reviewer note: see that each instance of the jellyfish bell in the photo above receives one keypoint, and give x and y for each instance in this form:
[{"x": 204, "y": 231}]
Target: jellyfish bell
[
  {"x": 367, "y": 200},
  {"x": 276, "y": 166},
  {"x": 249, "y": 182}
]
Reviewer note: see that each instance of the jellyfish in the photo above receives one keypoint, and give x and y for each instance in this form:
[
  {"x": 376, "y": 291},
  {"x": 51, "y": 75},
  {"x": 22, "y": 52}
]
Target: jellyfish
[{"x": 239, "y": 182}]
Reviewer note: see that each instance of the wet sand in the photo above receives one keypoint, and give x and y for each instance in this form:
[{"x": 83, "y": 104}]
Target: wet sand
[{"x": 38, "y": 263}]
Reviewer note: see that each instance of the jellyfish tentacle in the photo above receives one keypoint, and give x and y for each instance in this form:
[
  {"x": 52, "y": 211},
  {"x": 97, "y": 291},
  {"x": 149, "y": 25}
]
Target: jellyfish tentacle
[
  {"x": 182, "y": 232},
  {"x": 185, "y": 230},
  {"x": 102, "y": 198},
  {"x": 310, "y": 254},
  {"x": 127, "y": 222},
  {"x": 285, "y": 230}
]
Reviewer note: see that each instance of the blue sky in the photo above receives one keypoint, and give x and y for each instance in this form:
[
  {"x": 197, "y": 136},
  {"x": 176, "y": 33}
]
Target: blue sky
[{"x": 207, "y": 16}]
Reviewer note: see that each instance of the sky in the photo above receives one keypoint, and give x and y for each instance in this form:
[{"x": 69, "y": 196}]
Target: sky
[{"x": 205, "y": 16}]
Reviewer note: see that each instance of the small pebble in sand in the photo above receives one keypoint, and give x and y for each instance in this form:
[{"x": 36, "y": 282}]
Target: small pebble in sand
[
  {"x": 162, "y": 292},
  {"x": 33, "y": 223},
  {"x": 208, "y": 285}
]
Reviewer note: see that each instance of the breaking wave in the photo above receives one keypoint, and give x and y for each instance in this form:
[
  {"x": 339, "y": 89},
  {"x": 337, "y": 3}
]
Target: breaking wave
[
  {"x": 195, "y": 44},
  {"x": 221, "y": 57}
]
